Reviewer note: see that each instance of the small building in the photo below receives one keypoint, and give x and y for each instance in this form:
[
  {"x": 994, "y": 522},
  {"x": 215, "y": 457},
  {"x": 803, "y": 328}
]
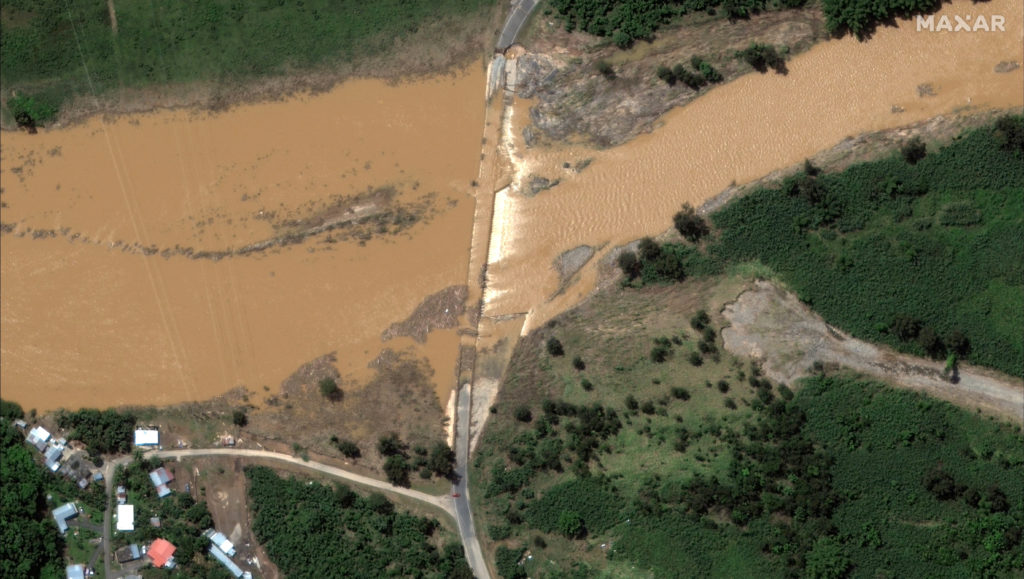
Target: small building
[
  {"x": 52, "y": 456},
  {"x": 125, "y": 517},
  {"x": 62, "y": 513},
  {"x": 219, "y": 555},
  {"x": 21, "y": 424},
  {"x": 145, "y": 437},
  {"x": 38, "y": 437},
  {"x": 161, "y": 552},
  {"x": 97, "y": 476},
  {"x": 221, "y": 542},
  {"x": 76, "y": 571},
  {"x": 154, "y": 521},
  {"x": 122, "y": 495},
  {"x": 129, "y": 553},
  {"x": 83, "y": 483},
  {"x": 160, "y": 478}
]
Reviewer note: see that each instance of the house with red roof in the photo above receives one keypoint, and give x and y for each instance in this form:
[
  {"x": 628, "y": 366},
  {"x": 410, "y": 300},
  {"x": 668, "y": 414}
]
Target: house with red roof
[{"x": 162, "y": 553}]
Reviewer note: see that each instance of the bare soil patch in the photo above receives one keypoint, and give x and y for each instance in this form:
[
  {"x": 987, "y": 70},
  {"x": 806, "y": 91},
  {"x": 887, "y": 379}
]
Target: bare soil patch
[
  {"x": 770, "y": 324},
  {"x": 400, "y": 397}
]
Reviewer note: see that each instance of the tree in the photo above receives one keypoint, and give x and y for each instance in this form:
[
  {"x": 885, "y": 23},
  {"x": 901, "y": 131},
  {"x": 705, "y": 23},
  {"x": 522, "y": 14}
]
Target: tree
[
  {"x": 631, "y": 402},
  {"x": 695, "y": 358},
  {"x": 827, "y": 559},
  {"x": 629, "y": 264},
  {"x": 587, "y": 385},
  {"x": 931, "y": 342},
  {"x": 329, "y": 389},
  {"x": 700, "y": 320},
  {"x": 659, "y": 354},
  {"x": 605, "y": 68},
  {"x": 391, "y": 445},
  {"x": 905, "y": 327},
  {"x": 442, "y": 459},
  {"x": 348, "y": 448},
  {"x": 523, "y": 414},
  {"x": 690, "y": 225},
  {"x": 1009, "y": 133},
  {"x": 554, "y": 347},
  {"x": 913, "y": 150},
  {"x": 570, "y": 524},
  {"x": 11, "y": 410},
  {"x": 239, "y": 418},
  {"x": 397, "y": 468},
  {"x": 649, "y": 249},
  {"x": 665, "y": 73},
  {"x": 762, "y": 57},
  {"x": 578, "y": 363},
  {"x": 941, "y": 484}
]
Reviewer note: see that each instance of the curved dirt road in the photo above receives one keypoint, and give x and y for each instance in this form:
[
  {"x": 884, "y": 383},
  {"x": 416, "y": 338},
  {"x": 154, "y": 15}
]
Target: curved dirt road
[
  {"x": 772, "y": 325},
  {"x": 443, "y": 502}
]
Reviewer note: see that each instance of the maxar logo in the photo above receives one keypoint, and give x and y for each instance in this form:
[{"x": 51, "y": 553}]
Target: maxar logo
[{"x": 994, "y": 23}]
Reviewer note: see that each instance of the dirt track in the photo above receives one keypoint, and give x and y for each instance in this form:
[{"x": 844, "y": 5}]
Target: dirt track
[{"x": 770, "y": 324}]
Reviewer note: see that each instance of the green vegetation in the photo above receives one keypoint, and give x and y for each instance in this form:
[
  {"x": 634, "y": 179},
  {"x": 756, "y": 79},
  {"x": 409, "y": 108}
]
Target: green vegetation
[
  {"x": 182, "y": 519},
  {"x": 439, "y": 461},
  {"x": 302, "y": 524},
  {"x": 702, "y": 74},
  {"x": 860, "y": 17},
  {"x": 924, "y": 257},
  {"x": 239, "y": 417},
  {"x": 626, "y": 21},
  {"x": 329, "y": 389},
  {"x": 844, "y": 478},
  {"x": 346, "y": 447},
  {"x": 29, "y": 542},
  {"x": 54, "y": 49},
  {"x": 762, "y": 57},
  {"x": 102, "y": 431}
]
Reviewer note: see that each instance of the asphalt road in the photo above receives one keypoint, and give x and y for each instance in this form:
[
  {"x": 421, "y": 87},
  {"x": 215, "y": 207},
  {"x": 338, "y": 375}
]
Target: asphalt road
[
  {"x": 463, "y": 514},
  {"x": 515, "y": 22}
]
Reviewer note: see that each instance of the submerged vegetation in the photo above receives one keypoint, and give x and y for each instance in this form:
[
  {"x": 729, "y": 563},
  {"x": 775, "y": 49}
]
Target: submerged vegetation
[
  {"x": 300, "y": 523},
  {"x": 924, "y": 256}
]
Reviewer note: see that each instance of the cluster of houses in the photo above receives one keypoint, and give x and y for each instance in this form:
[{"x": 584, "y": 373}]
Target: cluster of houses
[{"x": 61, "y": 457}]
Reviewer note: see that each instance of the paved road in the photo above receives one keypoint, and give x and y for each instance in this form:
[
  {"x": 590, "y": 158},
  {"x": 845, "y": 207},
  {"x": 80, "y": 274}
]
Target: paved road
[
  {"x": 443, "y": 502},
  {"x": 515, "y": 22},
  {"x": 463, "y": 514}
]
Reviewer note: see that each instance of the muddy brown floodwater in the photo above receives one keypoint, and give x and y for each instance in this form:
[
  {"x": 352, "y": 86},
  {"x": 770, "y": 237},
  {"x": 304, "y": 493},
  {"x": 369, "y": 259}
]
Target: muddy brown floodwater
[
  {"x": 733, "y": 134},
  {"x": 87, "y": 323}
]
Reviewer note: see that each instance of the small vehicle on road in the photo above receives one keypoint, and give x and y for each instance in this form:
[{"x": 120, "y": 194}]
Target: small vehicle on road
[{"x": 456, "y": 495}]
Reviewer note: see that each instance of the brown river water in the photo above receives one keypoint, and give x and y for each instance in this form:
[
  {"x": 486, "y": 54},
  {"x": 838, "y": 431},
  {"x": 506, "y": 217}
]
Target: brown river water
[
  {"x": 85, "y": 323},
  {"x": 735, "y": 133}
]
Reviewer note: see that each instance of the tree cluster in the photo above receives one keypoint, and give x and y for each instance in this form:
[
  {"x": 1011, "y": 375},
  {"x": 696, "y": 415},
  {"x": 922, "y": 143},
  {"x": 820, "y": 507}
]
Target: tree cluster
[
  {"x": 102, "y": 431},
  {"x": 300, "y": 525}
]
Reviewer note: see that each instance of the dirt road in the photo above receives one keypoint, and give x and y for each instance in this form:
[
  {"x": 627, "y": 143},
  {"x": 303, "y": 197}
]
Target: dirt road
[
  {"x": 443, "y": 502},
  {"x": 771, "y": 324}
]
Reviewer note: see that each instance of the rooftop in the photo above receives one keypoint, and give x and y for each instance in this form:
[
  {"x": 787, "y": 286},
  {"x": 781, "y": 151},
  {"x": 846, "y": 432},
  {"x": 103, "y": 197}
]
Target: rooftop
[
  {"x": 125, "y": 517},
  {"x": 64, "y": 512},
  {"x": 161, "y": 552}
]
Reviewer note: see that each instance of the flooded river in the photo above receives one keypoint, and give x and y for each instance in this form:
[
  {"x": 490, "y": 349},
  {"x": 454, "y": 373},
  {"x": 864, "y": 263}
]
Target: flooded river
[
  {"x": 87, "y": 323},
  {"x": 734, "y": 134},
  {"x": 88, "y": 318}
]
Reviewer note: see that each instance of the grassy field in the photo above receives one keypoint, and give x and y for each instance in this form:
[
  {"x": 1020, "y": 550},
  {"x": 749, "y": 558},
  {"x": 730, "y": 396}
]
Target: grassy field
[
  {"x": 832, "y": 477},
  {"x": 56, "y": 49}
]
